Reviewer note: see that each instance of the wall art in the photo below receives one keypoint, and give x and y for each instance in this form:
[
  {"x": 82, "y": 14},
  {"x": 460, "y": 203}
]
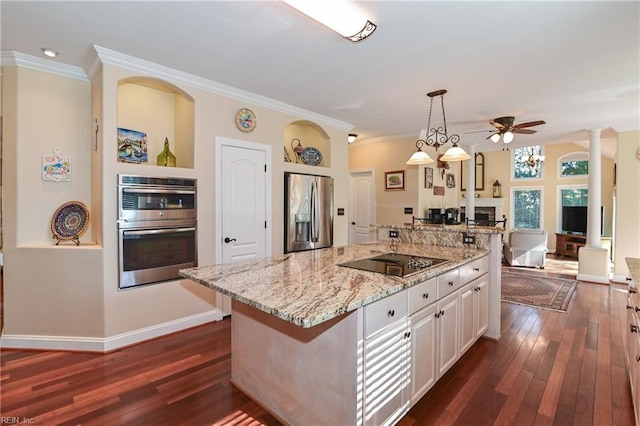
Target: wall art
[
  {"x": 56, "y": 167},
  {"x": 394, "y": 180},
  {"x": 132, "y": 146}
]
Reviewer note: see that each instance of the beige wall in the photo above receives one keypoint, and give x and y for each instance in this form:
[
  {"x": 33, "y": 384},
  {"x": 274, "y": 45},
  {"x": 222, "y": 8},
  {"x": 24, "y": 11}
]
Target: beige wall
[
  {"x": 392, "y": 155},
  {"x": 82, "y": 298},
  {"x": 627, "y": 229}
]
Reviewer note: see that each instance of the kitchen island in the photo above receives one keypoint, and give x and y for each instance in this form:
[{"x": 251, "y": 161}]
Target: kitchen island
[{"x": 318, "y": 343}]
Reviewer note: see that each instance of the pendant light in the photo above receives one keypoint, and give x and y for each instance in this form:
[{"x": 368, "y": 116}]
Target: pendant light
[{"x": 436, "y": 137}]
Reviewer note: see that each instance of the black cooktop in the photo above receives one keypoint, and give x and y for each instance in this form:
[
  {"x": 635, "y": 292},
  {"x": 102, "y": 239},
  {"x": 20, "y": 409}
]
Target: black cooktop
[{"x": 399, "y": 265}]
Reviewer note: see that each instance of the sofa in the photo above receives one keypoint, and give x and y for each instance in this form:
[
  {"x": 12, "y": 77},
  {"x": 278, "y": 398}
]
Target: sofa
[{"x": 525, "y": 247}]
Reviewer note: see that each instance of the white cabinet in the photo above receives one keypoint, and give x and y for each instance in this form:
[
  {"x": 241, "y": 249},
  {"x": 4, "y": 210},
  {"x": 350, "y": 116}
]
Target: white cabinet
[
  {"x": 474, "y": 312},
  {"x": 632, "y": 345},
  {"x": 386, "y": 360},
  {"x": 424, "y": 372},
  {"x": 447, "y": 312}
]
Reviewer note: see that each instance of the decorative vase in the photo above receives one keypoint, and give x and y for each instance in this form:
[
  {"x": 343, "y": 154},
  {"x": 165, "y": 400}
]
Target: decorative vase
[{"x": 166, "y": 157}]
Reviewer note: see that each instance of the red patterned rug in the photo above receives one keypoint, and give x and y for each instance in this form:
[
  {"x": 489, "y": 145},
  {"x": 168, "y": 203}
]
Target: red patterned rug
[{"x": 538, "y": 291}]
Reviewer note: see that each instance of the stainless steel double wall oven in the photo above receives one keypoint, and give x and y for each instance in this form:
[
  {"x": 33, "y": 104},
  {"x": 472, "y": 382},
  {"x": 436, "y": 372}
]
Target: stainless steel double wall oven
[{"x": 157, "y": 222}]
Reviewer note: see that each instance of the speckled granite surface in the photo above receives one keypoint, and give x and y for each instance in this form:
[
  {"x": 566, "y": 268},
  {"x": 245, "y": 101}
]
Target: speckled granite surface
[
  {"x": 447, "y": 235},
  {"x": 308, "y": 288},
  {"x": 634, "y": 268}
]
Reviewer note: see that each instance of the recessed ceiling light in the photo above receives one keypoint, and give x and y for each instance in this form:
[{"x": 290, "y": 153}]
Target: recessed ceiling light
[{"x": 49, "y": 52}]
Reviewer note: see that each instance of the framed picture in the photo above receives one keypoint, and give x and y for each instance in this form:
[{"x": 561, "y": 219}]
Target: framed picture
[
  {"x": 132, "y": 146},
  {"x": 394, "y": 180},
  {"x": 451, "y": 180},
  {"x": 428, "y": 177}
]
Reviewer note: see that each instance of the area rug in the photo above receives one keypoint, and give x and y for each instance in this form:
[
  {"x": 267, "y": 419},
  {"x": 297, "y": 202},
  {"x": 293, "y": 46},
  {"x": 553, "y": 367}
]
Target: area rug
[{"x": 537, "y": 290}]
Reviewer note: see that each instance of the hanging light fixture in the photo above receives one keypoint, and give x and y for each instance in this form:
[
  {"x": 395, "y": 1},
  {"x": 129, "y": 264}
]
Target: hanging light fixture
[
  {"x": 436, "y": 137},
  {"x": 507, "y": 137},
  {"x": 534, "y": 160}
]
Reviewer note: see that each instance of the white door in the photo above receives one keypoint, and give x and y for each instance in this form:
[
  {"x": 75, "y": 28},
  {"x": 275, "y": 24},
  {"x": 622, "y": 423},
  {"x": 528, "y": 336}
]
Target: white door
[
  {"x": 361, "y": 207},
  {"x": 243, "y": 194}
]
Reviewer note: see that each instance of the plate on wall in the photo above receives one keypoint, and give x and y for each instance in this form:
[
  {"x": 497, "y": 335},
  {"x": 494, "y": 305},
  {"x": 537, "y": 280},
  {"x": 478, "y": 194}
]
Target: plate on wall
[
  {"x": 311, "y": 156},
  {"x": 245, "y": 120},
  {"x": 70, "y": 221}
]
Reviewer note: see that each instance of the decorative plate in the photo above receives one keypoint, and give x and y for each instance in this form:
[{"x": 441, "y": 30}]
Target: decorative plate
[
  {"x": 70, "y": 221},
  {"x": 311, "y": 156},
  {"x": 245, "y": 120}
]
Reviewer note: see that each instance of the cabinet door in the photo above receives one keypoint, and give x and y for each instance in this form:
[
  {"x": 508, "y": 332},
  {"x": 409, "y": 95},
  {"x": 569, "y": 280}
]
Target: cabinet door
[
  {"x": 468, "y": 316},
  {"x": 481, "y": 299},
  {"x": 386, "y": 374},
  {"x": 423, "y": 352},
  {"x": 447, "y": 323}
]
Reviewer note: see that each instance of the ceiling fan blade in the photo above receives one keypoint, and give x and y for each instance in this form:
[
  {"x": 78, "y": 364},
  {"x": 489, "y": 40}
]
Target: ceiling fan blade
[
  {"x": 529, "y": 124},
  {"x": 523, "y": 131},
  {"x": 480, "y": 131}
]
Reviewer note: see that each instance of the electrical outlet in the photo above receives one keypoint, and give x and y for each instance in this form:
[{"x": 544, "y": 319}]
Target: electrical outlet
[
  {"x": 393, "y": 233},
  {"x": 468, "y": 239},
  {"x": 408, "y": 210}
]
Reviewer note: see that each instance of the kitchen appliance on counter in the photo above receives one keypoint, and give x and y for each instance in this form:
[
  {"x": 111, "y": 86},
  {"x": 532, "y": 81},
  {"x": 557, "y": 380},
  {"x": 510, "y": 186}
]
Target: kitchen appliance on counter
[
  {"x": 157, "y": 228},
  {"x": 308, "y": 212},
  {"x": 399, "y": 265}
]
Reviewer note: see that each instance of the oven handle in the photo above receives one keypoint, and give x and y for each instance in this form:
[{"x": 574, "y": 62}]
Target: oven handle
[
  {"x": 158, "y": 231},
  {"x": 157, "y": 191}
]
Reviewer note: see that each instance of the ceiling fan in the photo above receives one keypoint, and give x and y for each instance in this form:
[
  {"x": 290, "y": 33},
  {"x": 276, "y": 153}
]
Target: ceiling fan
[{"x": 505, "y": 129}]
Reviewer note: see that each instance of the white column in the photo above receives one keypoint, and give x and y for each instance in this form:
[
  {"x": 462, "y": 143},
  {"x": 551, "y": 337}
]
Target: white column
[
  {"x": 595, "y": 189},
  {"x": 470, "y": 208}
]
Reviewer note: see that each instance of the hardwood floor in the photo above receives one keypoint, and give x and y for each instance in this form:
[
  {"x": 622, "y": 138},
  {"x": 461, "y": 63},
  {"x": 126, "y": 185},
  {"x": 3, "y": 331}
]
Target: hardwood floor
[{"x": 548, "y": 368}]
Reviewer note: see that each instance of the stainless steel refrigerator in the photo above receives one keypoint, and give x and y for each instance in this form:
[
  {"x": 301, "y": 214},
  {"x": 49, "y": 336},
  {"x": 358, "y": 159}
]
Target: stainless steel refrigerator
[{"x": 308, "y": 212}]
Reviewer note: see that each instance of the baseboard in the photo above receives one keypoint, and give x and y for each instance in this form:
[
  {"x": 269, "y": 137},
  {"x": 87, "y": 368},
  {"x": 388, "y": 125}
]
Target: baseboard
[
  {"x": 97, "y": 344},
  {"x": 620, "y": 279},
  {"x": 593, "y": 278}
]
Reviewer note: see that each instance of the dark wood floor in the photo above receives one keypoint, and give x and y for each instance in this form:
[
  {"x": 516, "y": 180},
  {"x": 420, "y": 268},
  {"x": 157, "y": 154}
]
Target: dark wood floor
[{"x": 548, "y": 368}]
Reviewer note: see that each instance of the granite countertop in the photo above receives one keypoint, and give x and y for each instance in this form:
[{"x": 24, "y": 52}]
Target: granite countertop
[
  {"x": 308, "y": 288},
  {"x": 475, "y": 229},
  {"x": 633, "y": 264}
]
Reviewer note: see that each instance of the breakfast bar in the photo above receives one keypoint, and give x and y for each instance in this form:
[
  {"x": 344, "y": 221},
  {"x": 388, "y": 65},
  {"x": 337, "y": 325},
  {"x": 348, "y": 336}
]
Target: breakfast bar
[{"x": 315, "y": 342}]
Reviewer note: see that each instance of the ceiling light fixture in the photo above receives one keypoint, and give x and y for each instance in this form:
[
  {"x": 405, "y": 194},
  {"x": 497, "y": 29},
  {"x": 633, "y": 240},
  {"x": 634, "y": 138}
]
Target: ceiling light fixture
[
  {"x": 351, "y": 137},
  {"x": 436, "y": 137},
  {"x": 47, "y": 51},
  {"x": 507, "y": 137},
  {"x": 534, "y": 160},
  {"x": 340, "y": 16}
]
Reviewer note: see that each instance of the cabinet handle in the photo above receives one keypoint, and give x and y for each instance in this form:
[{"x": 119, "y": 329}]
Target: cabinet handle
[
  {"x": 476, "y": 269},
  {"x": 441, "y": 313},
  {"x": 425, "y": 295},
  {"x": 450, "y": 283},
  {"x": 628, "y": 278},
  {"x": 437, "y": 315},
  {"x": 630, "y": 307},
  {"x": 634, "y": 328},
  {"x": 391, "y": 312},
  {"x": 407, "y": 334},
  {"x": 637, "y": 309},
  {"x": 632, "y": 290}
]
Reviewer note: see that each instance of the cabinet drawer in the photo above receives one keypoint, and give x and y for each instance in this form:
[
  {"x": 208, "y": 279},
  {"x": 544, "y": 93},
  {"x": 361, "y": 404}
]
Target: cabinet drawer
[
  {"x": 384, "y": 312},
  {"x": 447, "y": 283},
  {"x": 473, "y": 270},
  {"x": 421, "y": 295}
]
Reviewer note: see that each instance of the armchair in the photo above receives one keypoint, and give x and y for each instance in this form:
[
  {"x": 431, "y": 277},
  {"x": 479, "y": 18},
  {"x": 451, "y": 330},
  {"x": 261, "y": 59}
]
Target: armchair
[{"x": 526, "y": 247}]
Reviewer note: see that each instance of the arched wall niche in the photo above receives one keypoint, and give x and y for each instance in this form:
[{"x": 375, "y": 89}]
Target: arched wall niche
[
  {"x": 310, "y": 135},
  {"x": 160, "y": 110}
]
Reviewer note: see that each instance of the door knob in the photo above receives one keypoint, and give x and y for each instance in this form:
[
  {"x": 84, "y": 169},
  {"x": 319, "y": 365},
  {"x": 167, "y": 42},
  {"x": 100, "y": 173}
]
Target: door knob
[
  {"x": 228, "y": 240},
  {"x": 353, "y": 223}
]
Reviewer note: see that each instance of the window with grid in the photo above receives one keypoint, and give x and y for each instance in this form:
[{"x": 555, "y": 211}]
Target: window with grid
[{"x": 527, "y": 208}]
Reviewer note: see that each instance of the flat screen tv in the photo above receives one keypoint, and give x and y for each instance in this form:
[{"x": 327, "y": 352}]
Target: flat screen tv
[{"x": 574, "y": 220}]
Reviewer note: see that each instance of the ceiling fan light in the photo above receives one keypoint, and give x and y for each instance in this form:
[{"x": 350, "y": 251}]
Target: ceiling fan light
[
  {"x": 495, "y": 137},
  {"x": 508, "y": 137},
  {"x": 455, "y": 153},
  {"x": 419, "y": 157}
]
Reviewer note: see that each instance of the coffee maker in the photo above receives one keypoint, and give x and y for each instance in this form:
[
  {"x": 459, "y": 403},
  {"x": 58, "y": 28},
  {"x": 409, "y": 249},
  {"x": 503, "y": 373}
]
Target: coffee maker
[{"x": 451, "y": 216}]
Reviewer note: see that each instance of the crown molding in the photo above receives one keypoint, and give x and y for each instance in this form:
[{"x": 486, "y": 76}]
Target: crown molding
[
  {"x": 107, "y": 56},
  {"x": 9, "y": 58}
]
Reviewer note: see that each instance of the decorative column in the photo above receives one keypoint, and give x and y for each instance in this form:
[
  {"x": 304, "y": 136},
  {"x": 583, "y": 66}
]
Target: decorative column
[
  {"x": 595, "y": 189},
  {"x": 593, "y": 262},
  {"x": 470, "y": 208}
]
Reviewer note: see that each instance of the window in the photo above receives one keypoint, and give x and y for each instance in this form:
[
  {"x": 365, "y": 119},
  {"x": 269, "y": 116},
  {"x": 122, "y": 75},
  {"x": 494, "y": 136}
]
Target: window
[
  {"x": 521, "y": 168},
  {"x": 527, "y": 208},
  {"x": 574, "y": 196},
  {"x": 574, "y": 164}
]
